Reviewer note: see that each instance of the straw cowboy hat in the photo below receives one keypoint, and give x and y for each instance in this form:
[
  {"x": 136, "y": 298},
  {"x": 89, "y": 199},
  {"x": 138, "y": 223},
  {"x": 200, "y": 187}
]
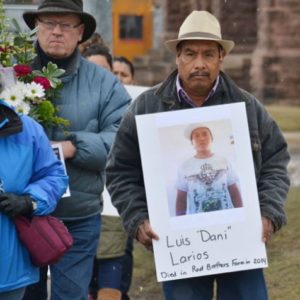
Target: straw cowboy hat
[
  {"x": 200, "y": 25},
  {"x": 190, "y": 128},
  {"x": 63, "y": 7}
]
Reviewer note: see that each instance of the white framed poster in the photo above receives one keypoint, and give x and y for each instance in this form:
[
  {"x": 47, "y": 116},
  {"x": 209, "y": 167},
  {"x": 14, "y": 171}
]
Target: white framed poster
[
  {"x": 201, "y": 194},
  {"x": 108, "y": 208},
  {"x": 135, "y": 90},
  {"x": 57, "y": 148}
]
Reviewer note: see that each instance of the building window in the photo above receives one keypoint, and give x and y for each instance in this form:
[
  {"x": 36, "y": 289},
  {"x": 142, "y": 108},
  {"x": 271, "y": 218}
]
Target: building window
[{"x": 131, "y": 27}]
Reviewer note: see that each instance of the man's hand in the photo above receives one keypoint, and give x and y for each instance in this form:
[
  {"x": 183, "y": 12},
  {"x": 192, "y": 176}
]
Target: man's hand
[
  {"x": 69, "y": 150},
  {"x": 268, "y": 229},
  {"x": 145, "y": 234},
  {"x": 14, "y": 205}
]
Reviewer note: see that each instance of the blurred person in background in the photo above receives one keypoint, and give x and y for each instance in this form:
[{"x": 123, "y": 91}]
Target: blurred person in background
[
  {"x": 95, "y": 39},
  {"x": 99, "y": 55},
  {"x": 108, "y": 265},
  {"x": 123, "y": 68}
]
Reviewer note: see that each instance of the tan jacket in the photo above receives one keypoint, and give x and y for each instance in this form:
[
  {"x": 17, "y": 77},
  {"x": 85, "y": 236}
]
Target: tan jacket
[{"x": 113, "y": 238}]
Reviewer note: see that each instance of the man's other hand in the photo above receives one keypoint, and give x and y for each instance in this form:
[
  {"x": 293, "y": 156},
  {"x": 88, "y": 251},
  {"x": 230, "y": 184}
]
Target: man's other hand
[{"x": 145, "y": 234}]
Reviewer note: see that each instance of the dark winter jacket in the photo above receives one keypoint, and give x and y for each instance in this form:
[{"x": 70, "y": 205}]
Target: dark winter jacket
[{"x": 124, "y": 171}]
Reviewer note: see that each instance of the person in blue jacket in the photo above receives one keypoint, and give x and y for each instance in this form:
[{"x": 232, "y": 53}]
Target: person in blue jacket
[{"x": 32, "y": 180}]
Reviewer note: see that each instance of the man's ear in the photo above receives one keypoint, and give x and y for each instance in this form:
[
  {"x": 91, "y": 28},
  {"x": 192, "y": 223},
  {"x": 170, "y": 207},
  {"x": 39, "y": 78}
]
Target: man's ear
[
  {"x": 81, "y": 32},
  {"x": 176, "y": 60},
  {"x": 177, "y": 56},
  {"x": 222, "y": 55}
]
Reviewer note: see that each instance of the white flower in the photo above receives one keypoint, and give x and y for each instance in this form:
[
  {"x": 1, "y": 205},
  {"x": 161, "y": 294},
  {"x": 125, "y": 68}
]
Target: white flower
[
  {"x": 34, "y": 90},
  {"x": 13, "y": 96},
  {"x": 21, "y": 86},
  {"x": 23, "y": 108}
]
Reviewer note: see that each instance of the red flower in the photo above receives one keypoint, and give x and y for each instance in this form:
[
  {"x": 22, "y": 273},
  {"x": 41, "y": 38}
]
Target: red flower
[
  {"x": 43, "y": 81},
  {"x": 22, "y": 70}
]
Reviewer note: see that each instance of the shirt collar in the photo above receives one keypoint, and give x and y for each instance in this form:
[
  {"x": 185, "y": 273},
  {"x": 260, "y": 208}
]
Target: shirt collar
[{"x": 183, "y": 96}]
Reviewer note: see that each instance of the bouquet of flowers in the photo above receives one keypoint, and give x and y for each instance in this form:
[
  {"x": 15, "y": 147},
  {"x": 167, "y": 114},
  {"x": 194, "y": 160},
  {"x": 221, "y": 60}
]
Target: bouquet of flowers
[{"x": 29, "y": 91}]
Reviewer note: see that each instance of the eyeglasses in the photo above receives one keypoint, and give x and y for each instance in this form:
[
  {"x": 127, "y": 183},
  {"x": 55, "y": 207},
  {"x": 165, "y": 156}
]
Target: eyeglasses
[{"x": 50, "y": 25}]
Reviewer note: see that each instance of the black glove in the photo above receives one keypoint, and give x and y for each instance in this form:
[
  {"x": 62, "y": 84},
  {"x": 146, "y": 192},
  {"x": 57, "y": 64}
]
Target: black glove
[{"x": 14, "y": 205}]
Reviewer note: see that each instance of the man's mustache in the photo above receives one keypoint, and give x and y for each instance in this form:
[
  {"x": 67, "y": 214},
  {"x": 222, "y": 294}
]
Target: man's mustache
[{"x": 198, "y": 74}]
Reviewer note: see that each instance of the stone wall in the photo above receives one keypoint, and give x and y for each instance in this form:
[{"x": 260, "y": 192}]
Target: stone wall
[
  {"x": 275, "y": 71},
  {"x": 175, "y": 13},
  {"x": 238, "y": 23}
]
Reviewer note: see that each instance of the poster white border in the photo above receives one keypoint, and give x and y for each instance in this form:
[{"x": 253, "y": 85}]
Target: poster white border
[
  {"x": 57, "y": 148},
  {"x": 207, "y": 243}
]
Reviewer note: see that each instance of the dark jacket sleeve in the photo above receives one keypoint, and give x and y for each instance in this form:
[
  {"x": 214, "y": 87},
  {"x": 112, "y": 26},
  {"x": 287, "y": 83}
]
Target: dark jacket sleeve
[
  {"x": 92, "y": 147},
  {"x": 124, "y": 175},
  {"x": 271, "y": 157}
]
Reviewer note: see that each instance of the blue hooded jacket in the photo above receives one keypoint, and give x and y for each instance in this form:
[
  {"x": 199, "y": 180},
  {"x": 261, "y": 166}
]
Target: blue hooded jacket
[{"x": 28, "y": 166}]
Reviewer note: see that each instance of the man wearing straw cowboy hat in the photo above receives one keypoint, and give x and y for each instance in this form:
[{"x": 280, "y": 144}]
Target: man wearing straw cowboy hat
[
  {"x": 93, "y": 100},
  {"x": 198, "y": 81}
]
